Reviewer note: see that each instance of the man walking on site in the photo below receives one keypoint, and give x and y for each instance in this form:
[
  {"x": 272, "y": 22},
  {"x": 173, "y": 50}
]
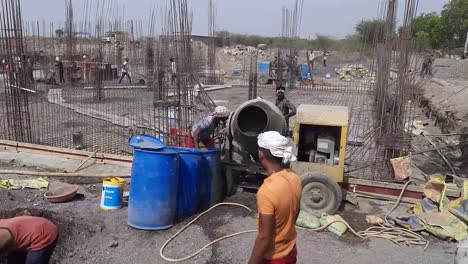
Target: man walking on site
[
  {"x": 325, "y": 57},
  {"x": 86, "y": 67},
  {"x": 125, "y": 71},
  {"x": 7, "y": 68},
  {"x": 278, "y": 200},
  {"x": 284, "y": 105},
  {"x": 427, "y": 65},
  {"x": 27, "y": 239},
  {"x": 173, "y": 71},
  {"x": 59, "y": 65}
]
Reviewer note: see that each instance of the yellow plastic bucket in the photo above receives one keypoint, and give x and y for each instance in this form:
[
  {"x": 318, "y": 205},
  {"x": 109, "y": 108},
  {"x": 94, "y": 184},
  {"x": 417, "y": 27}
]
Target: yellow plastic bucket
[{"x": 112, "y": 193}]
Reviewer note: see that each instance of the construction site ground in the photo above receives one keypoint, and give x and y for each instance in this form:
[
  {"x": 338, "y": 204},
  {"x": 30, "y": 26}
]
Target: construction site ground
[
  {"x": 90, "y": 235},
  {"x": 59, "y": 111},
  {"x": 447, "y": 92}
]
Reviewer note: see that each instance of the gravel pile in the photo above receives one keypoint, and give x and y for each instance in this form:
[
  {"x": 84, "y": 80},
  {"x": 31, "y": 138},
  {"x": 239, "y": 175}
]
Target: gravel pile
[
  {"x": 450, "y": 69},
  {"x": 241, "y": 50}
]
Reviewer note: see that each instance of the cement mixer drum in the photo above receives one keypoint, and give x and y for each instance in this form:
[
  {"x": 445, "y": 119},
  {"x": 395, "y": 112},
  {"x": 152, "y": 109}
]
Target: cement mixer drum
[{"x": 252, "y": 118}]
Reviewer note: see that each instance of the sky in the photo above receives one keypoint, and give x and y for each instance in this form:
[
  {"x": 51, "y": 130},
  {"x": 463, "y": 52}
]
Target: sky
[{"x": 335, "y": 18}]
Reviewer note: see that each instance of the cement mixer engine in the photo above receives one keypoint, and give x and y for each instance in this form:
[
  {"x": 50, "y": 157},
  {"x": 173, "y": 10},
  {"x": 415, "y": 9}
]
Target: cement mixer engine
[{"x": 319, "y": 142}]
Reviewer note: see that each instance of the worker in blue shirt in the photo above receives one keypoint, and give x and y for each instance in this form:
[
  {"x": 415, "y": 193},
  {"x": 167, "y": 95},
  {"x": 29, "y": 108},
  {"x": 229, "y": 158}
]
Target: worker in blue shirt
[{"x": 203, "y": 130}]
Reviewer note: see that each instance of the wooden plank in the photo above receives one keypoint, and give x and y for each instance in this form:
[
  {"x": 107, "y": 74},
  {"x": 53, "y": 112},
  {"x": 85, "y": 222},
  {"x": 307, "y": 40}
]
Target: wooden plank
[
  {"x": 68, "y": 153},
  {"x": 382, "y": 191},
  {"x": 63, "y": 174},
  {"x": 395, "y": 186},
  {"x": 386, "y": 197}
]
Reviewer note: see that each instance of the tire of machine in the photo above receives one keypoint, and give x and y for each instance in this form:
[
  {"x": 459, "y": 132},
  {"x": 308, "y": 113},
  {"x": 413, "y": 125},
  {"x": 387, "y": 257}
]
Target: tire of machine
[
  {"x": 231, "y": 184},
  {"x": 262, "y": 79},
  {"x": 320, "y": 194}
]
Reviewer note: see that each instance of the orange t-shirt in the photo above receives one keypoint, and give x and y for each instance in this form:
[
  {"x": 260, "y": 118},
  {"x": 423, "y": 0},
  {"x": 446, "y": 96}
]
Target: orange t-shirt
[
  {"x": 280, "y": 195},
  {"x": 30, "y": 232}
]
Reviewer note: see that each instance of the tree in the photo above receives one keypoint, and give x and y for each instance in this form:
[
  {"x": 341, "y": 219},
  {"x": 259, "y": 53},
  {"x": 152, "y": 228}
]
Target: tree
[
  {"x": 350, "y": 43},
  {"x": 59, "y": 33},
  {"x": 455, "y": 20},
  {"x": 428, "y": 29},
  {"x": 370, "y": 30},
  {"x": 323, "y": 42}
]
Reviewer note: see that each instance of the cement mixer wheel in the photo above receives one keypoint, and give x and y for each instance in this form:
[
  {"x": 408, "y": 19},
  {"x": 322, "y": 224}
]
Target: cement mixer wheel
[
  {"x": 262, "y": 79},
  {"x": 320, "y": 194}
]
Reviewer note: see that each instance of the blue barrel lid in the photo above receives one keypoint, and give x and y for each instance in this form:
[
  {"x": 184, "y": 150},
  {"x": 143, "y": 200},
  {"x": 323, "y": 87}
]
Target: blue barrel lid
[{"x": 143, "y": 141}]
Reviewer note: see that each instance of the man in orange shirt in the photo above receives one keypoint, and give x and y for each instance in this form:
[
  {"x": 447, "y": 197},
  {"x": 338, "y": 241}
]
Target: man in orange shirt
[
  {"x": 278, "y": 202},
  {"x": 27, "y": 239}
]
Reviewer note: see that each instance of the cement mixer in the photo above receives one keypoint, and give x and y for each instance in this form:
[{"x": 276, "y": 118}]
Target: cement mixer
[
  {"x": 252, "y": 118},
  {"x": 319, "y": 137}
]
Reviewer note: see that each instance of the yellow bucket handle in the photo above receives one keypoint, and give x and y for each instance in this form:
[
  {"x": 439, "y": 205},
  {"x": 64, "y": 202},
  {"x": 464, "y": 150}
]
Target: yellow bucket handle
[{"x": 113, "y": 180}]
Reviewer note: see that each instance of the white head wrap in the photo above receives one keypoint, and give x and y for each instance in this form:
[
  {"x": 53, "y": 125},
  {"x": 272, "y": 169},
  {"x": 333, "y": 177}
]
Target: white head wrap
[
  {"x": 221, "y": 111},
  {"x": 277, "y": 144},
  {"x": 281, "y": 90},
  {"x": 57, "y": 58}
]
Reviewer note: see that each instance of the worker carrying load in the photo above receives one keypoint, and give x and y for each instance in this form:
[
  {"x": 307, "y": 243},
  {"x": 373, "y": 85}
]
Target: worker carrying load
[
  {"x": 203, "y": 130},
  {"x": 27, "y": 239},
  {"x": 325, "y": 57},
  {"x": 278, "y": 200},
  {"x": 310, "y": 56}
]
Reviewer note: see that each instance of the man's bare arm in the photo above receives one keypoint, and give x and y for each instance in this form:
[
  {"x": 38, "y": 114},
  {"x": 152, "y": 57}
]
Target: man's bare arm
[
  {"x": 196, "y": 134},
  {"x": 6, "y": 241},
  {"x": 292, "y": 109},
  {"x": 265, "y": 238}
]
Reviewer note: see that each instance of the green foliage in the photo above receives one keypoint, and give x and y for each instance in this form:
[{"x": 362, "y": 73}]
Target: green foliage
[
  {"x": 225, "y": 38},
  {"x": 455, "y": 21},
  {"x": 350, "y": 43},
  {"x": 431, "y": 31},
  {"x": 370, "y": 30},
  {"x": 59, "y": 33},
  {"x": 428, "y": 29},
  {"x": 447, "y": 31},
  {"x": 321, "y": 42}
]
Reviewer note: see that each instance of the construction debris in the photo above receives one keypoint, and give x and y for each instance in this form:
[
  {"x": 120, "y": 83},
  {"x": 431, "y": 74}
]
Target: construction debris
[
  {"x": 17, "y": 184},
  {"x": 238, "y": 52},
  {"x": 358, "y": 71},
  {"x": 436, "y": 214}
]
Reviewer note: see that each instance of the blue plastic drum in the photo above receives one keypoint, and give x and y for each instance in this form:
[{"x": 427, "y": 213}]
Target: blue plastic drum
[
  {"x": 153, "y": 189},
  {"x": 190, "y": 170},
  {"x": 211, "y": 181}
]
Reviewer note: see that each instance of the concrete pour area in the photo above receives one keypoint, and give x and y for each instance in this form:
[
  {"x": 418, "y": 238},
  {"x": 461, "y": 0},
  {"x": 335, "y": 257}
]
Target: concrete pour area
[{"x": 90, "y": 235}]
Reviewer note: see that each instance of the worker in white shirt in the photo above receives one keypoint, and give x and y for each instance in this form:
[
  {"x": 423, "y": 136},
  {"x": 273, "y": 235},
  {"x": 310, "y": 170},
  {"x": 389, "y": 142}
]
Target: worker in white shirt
[
  {"x": 173, "y": 71},
  {"x": 125, "y": 71}
]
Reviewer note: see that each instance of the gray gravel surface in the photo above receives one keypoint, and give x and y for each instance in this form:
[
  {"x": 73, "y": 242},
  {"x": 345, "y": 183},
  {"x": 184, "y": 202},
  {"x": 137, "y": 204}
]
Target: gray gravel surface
[
  {"x": 450, "y": 69},
  {"x": 89, "y": 235}
]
